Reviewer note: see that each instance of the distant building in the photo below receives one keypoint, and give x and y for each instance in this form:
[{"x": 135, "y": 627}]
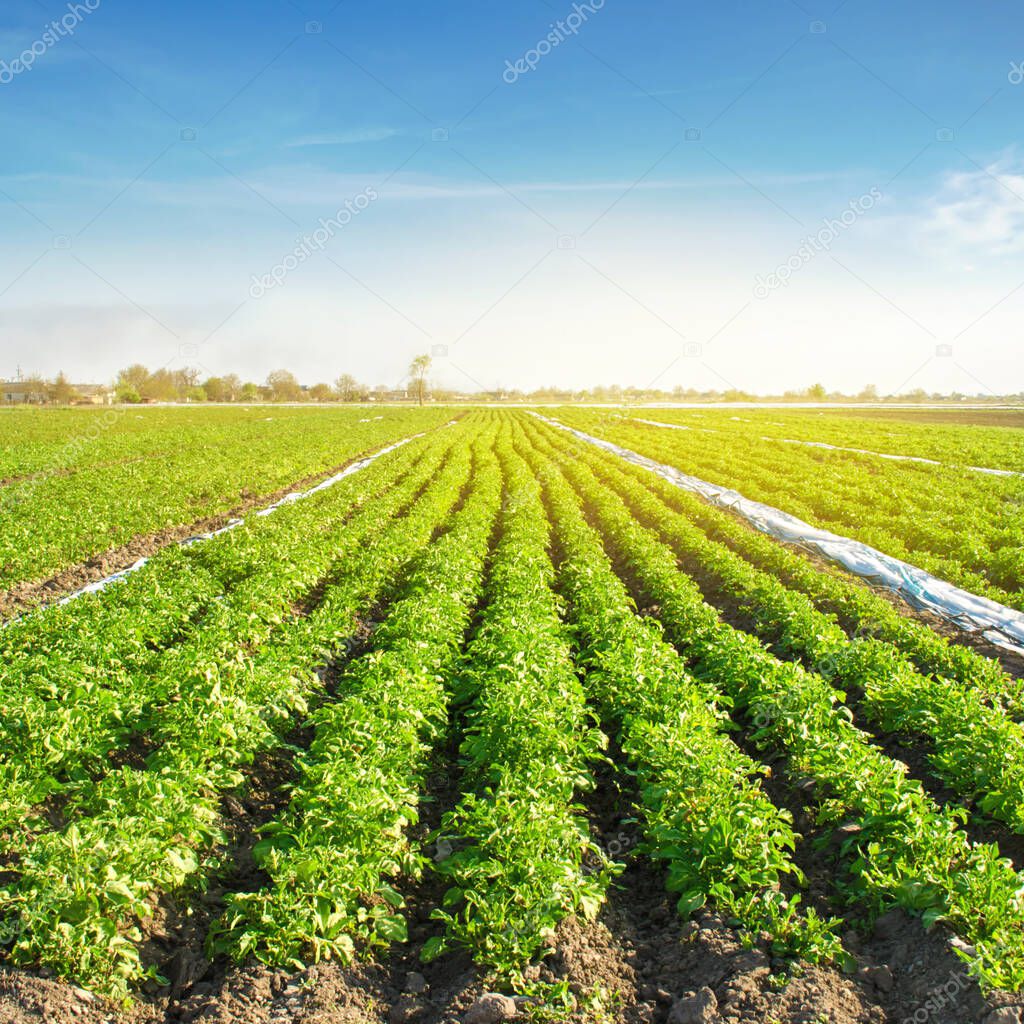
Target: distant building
[
  {"x": 93, "y": 394},
  {"x": 22, "y": 392},
  {"x": 36, "y": 392}
]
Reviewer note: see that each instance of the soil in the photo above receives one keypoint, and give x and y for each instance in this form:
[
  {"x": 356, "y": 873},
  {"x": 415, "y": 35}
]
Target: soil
[
  {"x": 24, "y": 596},
  {"x": 961, "y": 417},
  {"x": 637, "y": 964},
  {"x": 632, "y": 965}
]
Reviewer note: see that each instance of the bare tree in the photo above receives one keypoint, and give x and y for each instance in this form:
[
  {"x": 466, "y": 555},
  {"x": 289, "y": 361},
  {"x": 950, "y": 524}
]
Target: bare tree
[
  {"x": 348, "y": 388},
  {"x": 134, "y": 376},
  {"x": 62, "y": 391},
  {"x": 284, "y": 386},
  {"x": 419, "y": 369}
]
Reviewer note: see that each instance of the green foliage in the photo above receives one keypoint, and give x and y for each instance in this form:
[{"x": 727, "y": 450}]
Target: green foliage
[
  {"x": 959, "y": 525},
  {"x": 907, "y": 850},
  {"x": 704, "y": 813},
  {"x": 977, "y": 749},
  {"x": 334, "y": 853},
  {"x": 138, "y": 832},
  {"x": 501, "y": 558},
  {"x": 75, "y": 483},
  {"x": 519, "y": 841}
]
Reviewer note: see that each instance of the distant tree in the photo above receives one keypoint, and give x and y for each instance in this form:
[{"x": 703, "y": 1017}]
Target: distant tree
[
  {"x": 817, "y": 393},
  {"x": 232, "y": 387},
  {"x": 284, "y": 386},
  {"x": 216, "y": 390},
  {"x": 160, "y": 386},
  {"x": 348, "y": 388},
  {"x": 185, "y": 378},
  {"x": 321, "y": 393},
  {"x": 37, "y": 391},
  {"x": 196, "y": 394},
  {"x": 419, "y": 369},
  {"x": 133, "y": 377},
  {"x": 62, "y": 391},
  {"x": 249, "y": 392},
  {"x": 869, "y": 394},
  {"x": 127, "y": 394}
]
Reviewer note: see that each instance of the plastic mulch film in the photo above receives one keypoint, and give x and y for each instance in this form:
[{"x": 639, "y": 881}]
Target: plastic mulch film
[
  {"x": 858, "y": 451},
  {"x": 233, "y": 524},
  {"x": 998, "y": 624}
]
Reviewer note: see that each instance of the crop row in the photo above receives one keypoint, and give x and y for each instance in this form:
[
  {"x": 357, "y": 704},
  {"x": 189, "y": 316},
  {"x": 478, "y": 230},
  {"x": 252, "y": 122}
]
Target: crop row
[
  {"x": 856, "y": 606},
  {"x": 519, "y": 841},
  {"x": 75, "y": 484},
  {"x": 705, "y": 814},
  {"x": 903, "y": 849},
  {"x": 977, "y": 750},
  {"x": 952, "y": 438},
  {"x": 77, "y": 682},
  {"x": 335, "y": 854},
  {"x": 147, "y": 704},
  {"x": 80, "y": 891},
  {"x": 954, "y": 525}
]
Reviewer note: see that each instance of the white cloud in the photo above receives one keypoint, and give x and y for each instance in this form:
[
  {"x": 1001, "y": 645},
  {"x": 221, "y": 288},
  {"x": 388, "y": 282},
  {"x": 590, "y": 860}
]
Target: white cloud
[
  {"x": 300, "y": 186},
  {"x": 980, "y": 210}
]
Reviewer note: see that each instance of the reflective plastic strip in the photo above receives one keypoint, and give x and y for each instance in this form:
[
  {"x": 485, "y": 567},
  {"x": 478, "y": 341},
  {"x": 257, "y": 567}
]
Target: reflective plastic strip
[
  {"x": 998, "y": 624},
  {"x": 837, "y": 448}
]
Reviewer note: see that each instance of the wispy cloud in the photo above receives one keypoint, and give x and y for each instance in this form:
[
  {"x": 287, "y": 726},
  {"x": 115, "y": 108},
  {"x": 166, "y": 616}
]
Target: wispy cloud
[
  {"x": 305, "y": 186},
  {"x": 352, "y": 138},
  {"x": 980, "y": 209}
]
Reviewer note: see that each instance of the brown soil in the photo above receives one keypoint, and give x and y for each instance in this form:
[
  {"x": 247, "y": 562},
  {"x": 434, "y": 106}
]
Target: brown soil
[
  {"x": 632, "y": 965},
  {"x": 961, "y": 417},
  {"x": 24, "y": 596},
  {"x": 629, "y": 966}
]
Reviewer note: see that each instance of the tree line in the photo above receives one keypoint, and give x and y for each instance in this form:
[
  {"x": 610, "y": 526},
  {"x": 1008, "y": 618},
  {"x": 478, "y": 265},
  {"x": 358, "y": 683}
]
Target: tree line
[{"x": 137, "y": 383}]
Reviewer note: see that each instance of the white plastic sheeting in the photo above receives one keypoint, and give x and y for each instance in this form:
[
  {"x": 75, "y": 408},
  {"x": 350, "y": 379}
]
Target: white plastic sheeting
[
  {"x": 837, "y": 448},
  {"x": 288, "y": 499},
  {"x": 997, "y": 623},
  {"x": 895, "y": 458}
]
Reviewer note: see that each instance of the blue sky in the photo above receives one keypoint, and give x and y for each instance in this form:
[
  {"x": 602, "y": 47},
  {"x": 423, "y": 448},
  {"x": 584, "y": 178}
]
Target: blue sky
[{"x": 618, "y": 213}]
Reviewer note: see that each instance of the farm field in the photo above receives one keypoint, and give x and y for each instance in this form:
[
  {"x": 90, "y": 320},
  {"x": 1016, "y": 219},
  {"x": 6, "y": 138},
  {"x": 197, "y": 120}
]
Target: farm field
[
  {"x": 503, "y": 713},
  {"x": 949, "y": 519},
  {"x": 954, "y": 437},
  {"x": 76, "y": 485}
]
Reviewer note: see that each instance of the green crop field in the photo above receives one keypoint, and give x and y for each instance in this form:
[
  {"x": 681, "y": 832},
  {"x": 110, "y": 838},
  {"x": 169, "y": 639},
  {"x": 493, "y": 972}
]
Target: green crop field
[{"x": 499, "y": 711}]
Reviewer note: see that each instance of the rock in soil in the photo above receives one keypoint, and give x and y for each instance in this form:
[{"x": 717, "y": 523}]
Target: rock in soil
[
  {"x": 491, "y": 1008},
  {"x": 1004, "y": 1015},
  {"x": 701, "y": 1008}
]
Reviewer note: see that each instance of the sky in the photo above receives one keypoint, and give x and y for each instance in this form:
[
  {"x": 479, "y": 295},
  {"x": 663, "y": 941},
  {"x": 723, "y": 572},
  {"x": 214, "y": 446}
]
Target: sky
[{"x": 751, "y": 195}]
